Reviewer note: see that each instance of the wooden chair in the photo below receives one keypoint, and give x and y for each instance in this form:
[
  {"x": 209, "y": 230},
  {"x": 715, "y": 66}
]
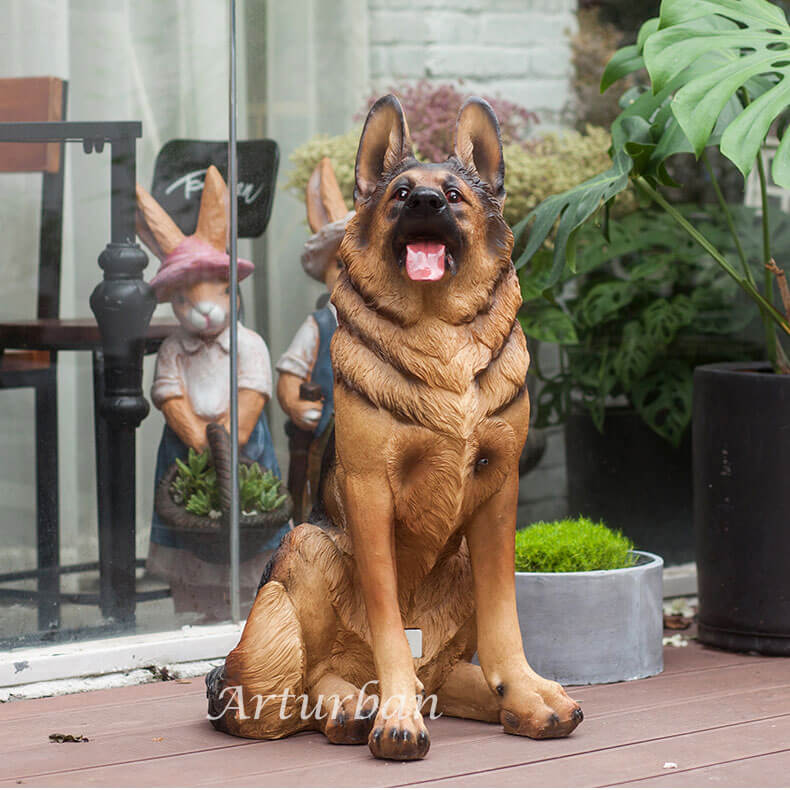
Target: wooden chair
[
  {"x": 40, "y": 99},
  {"x": 28, "y": 352}
]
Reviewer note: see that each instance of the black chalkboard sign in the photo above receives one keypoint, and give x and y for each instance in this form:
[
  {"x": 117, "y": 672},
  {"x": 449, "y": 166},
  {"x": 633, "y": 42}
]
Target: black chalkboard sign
[{"x": 181, "y": 166}]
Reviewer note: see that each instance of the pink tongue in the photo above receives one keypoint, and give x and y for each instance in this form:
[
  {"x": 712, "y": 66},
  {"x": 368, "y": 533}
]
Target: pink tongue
[{"x": 425, "y": 260}]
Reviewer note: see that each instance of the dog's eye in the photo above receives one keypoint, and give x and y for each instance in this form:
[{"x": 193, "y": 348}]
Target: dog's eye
[
  {"x": 453, "y": 196},
  {"x": 402, "y": 193}
]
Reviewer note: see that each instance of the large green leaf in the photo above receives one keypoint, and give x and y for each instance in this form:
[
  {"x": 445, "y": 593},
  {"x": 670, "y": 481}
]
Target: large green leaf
[
  {"x": 676, "y": 12},
  {"x": 662, "y": 319},
  {"x": 628, "y": 59},
  {"x": 605, "y": 380},
  {"x": 551, "y": 403},
  {"x": 644, "y": 135},
  {"x": 532, "y": 279},
  {"x": 624, "y": 62},
  {"x": 637, "y": 232},
  {"x": 663, "y": 399},
  {"x": 604, "y": 301},
  {"x": 750, "y": 40},
  {"x": 573, "y": 207},
  {"x": 636, "y": 353},
  {"x": 544, "y": 321},
  {"x": 655, "y": 273}
]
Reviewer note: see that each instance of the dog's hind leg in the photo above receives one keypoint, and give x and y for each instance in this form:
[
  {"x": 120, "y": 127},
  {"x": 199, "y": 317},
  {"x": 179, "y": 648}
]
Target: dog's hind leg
[
  {"x": 343, "y": 712},
  {"x": 263, "y": 691},
  {"x": 466, "y": 695},
  {"x": 259, "y": 691}
]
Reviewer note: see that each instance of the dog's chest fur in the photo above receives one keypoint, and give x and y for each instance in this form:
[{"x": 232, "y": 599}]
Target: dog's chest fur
[{"x": 448, "y": 449}]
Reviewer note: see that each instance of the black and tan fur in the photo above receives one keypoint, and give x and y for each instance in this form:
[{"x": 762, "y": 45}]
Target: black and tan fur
[{"x": 431, "y": 415}]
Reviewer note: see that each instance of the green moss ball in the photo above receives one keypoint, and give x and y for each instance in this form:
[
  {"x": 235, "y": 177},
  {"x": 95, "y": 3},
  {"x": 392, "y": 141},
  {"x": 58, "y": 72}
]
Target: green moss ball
[{"x": 570, "y": 546}]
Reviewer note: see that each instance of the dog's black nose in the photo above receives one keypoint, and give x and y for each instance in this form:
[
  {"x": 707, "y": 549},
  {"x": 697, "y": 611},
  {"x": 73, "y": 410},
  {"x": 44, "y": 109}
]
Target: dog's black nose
[{"x": 425, "y": 202}]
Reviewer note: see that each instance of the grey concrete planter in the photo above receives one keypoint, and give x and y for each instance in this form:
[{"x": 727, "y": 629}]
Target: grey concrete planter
[{"x": 594, "y": 626}]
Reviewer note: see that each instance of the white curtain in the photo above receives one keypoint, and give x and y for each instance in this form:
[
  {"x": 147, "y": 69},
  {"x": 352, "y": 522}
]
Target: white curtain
[
  {"x": 316, "y": 79},
  {"x": 302, "y": 69},
  {"x": 164, "y": 62}
]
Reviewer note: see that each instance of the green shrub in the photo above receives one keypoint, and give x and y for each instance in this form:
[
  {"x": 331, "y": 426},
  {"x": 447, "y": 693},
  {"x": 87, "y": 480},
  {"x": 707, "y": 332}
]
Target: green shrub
[
  {"x": 342, "y": 152},
  {"x": 644, "y": 306},
  {"x": 533, "y": 170},
  {"x": 577, "y": 544}
]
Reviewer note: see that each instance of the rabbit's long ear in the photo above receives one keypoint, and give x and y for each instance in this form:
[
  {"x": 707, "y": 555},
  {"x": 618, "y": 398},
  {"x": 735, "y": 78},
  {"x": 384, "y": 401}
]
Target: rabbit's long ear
[
  {"x": 158, "y": 232},
  {"x": 324, "y": 199},
  {"x": 212, "y": 224}
]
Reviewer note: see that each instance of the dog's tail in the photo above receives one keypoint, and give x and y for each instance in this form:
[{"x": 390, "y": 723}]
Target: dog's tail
[{"x": 260, "y": 691}]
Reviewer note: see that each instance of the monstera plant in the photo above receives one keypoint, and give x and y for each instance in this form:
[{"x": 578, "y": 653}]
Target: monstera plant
[
  {"x": 644, "y": 307},
  {"x": 719, "y": 76}
]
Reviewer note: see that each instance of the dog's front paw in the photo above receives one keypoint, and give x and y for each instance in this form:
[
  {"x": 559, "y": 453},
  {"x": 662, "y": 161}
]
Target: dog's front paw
[
  {"x": 539, "y": 710},
  {"x": 350, "y": 722},
  {"x": 399, "y": 732}
]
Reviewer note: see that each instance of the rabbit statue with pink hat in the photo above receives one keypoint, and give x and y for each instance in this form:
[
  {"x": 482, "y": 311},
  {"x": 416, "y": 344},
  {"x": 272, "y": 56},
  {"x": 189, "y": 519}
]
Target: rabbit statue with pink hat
[{"x": 192, "y": 389}]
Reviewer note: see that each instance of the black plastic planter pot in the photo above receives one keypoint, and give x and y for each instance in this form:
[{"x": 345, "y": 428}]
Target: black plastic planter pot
[
  {"x": 741, "y": 439},
  {"x": 633, "y": 480}
]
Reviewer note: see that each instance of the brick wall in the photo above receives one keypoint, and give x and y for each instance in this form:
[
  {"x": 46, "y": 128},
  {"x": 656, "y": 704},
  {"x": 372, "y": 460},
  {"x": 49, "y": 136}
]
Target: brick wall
[
  {"x": 519, "y": 50},
  {"x": 514, "y": 48}
]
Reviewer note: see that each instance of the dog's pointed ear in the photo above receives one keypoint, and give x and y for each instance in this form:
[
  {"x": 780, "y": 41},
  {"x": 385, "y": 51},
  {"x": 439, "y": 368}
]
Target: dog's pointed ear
[
  {"x": 478, "y": 144},
  {"x": 384, "y": 143}
]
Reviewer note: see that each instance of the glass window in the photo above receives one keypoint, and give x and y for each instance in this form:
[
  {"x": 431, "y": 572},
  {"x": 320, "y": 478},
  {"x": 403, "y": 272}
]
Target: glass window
[
  {"x": 76, "y": 473},
  {"x": 110, "y": 523}
]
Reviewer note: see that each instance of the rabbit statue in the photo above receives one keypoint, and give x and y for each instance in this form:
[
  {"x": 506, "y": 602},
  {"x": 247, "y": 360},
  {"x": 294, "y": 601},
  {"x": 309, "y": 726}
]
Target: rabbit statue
[
  {"x": 305, "y": 380},
  {"x": 192, "y": 389}
]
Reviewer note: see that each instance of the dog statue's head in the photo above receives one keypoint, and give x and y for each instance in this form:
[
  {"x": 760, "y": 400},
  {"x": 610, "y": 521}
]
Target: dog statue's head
[{"x": 428, "y": 238}]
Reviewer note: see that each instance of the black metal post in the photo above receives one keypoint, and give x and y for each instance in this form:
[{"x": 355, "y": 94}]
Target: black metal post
[
  {"x": 123, "y": 304},
  {"x": 48, "y": 539},
  {"x": 103, "y": 498}
]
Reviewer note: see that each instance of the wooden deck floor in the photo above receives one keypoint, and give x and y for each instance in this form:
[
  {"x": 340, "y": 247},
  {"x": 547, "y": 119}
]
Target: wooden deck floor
[{"x": 723, "y": 719}]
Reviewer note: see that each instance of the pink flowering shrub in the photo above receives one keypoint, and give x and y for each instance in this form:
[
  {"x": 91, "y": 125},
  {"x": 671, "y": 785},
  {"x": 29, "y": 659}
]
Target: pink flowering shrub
[{"x": 431, "y": 110}]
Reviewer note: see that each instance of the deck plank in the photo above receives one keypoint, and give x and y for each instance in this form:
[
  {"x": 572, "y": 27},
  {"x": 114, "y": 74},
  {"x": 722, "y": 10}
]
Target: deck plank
[
  {"x": 769, "y": 770},
  {"x": 679, "y": 660},
  {"x": 617, "y": 765},
  {"x": 174, "y": 702},
  {"x": 704, "y": 694},
  {"x": 450, "y": 758},
  {"x": 18, "y": 710}
]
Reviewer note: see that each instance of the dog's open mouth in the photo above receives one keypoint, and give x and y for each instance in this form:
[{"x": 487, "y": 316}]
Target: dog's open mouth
[{"x": 426, "y": 261}]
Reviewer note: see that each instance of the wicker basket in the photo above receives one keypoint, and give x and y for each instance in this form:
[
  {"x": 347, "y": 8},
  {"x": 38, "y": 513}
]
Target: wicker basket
[{"x": 207, "y": 538}]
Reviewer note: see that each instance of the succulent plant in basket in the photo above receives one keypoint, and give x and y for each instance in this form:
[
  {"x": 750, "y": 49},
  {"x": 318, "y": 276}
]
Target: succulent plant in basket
[
  {"x": 193, "y": 498},
  {"x": 195, "y": 486},
  {"x": 719, "y": 76}
]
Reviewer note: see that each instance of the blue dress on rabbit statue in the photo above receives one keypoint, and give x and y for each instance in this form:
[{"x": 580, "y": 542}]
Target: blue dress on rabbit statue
[
  {"x": 192, "y": 388},
  {"x": 184, "y": 359}
]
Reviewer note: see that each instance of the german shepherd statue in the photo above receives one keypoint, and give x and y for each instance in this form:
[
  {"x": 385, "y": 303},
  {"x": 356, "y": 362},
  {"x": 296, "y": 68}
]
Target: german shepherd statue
[{"x": 419, "y": 502}]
